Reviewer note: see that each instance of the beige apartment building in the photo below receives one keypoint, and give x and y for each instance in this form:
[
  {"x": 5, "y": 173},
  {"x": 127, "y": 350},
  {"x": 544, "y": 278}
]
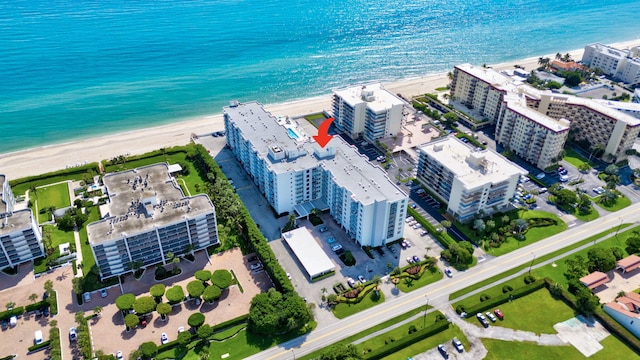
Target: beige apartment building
[{"x": 535, "y": 124}]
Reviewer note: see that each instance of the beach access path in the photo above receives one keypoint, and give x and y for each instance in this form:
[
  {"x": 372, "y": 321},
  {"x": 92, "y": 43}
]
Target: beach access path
[{"x": 55, "y": 157}]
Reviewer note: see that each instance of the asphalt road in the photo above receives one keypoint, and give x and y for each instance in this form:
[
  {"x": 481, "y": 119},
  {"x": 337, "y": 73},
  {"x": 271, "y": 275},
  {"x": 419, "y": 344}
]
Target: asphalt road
[{"x": 438, "y": 292}]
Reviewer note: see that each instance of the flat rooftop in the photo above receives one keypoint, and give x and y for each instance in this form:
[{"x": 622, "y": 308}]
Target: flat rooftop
[
  {"x": 18, "y": 221},
  {"x": 374, "y": 95},
  {"x": 314, "y": 260},
  {"x": 520, "y": 107},
  {"x": 611, "y": 51},
  {"x": 350, "y": 169},
  {"x": 488, "y": 75},
  {"x": 472, "y": 167},
  {"x": 600, "y": 108},
  {"x": 143, "y": 199}
]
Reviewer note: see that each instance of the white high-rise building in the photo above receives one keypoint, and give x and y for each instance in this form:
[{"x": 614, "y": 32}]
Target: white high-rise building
[
  {"x": 148, "y": 217},
  {"x": 619, "y": 64},
  {"x": 369, "y": 111},
  {"x": 469, "y": 181},
  {"x": 296, "y": 175},
  {"x": 20, "y": 236}
]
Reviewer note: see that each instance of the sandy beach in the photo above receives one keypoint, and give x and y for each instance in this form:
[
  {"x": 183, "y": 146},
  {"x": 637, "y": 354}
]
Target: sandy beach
[{"x": 58, "y": 156}]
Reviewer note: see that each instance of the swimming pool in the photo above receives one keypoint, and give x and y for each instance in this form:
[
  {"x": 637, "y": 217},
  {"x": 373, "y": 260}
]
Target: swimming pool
[{"x": 292, "y": 134}]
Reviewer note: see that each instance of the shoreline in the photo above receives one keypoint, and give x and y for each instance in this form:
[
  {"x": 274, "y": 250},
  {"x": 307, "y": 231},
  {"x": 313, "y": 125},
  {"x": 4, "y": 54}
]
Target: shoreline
[{"x": 56, "y": 156}]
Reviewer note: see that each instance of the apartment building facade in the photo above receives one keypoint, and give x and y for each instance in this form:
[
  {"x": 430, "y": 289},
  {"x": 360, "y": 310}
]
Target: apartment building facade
[
  {"x": 20, "y": 236},
  {"x": 469, "y": 181},
  {"x": 369, "y": 111},
  {"x": 147, "y": 218},
  {"x": 619, "y": 64},
  {"x": 539, "y": 135},
  {"x": 296, "y": 175}
]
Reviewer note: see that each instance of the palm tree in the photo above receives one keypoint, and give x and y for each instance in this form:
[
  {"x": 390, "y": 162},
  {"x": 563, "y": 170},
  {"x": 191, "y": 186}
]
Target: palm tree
[
  {"x": 450, "y": 75},
  {"x": 97, "y": 310},
  {"x": 33, "y": 297},
  {"x": 558, "y": 56},
  {"x": 567, "y": 57}
]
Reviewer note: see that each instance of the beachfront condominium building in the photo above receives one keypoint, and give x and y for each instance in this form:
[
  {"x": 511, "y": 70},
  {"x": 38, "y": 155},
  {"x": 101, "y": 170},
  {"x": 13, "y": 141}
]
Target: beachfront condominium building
[
  {"x": 20, "y": 237},
  {"x": 592, "y": 122},
  {"x": 623, "y": 65},
  {"x": 296, "y": 175},
  {"x": 468, "y": 180},
  {"x": 368, "y": 111},
  {"x": 535, "y": 137},
  {"x": 500, "y": 100},
  {"x": 148, "y": 217}
]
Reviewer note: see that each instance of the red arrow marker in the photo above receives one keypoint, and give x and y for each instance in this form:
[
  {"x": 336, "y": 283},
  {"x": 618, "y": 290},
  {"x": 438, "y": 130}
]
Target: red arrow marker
[{"x": 323, "y": 136}]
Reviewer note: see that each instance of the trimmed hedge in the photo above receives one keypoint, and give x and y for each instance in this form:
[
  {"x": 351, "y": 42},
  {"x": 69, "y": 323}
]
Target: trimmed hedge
[
  {"x": 21, "y": 185},
  {"x": 408, "y": 340},
  {"x": 442, "y": 237},
  {"x": 367, "y": 289},
  {"x": 501, "y": 299},
  {"x": 36, "y": 306},
  {"x": 5, "y": 315},
  {"x": 219, "y": 327},
  {"x": 43, "y": 345}
]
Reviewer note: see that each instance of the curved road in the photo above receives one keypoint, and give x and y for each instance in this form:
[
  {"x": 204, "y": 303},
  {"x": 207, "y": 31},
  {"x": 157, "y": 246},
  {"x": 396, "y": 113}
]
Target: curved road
[{"x": 439, "y": 292}]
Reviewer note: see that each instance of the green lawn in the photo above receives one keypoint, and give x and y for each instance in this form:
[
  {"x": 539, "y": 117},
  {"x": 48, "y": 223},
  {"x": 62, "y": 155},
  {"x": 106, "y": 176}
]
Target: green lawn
[
  {"x": 431, "y": 342},
  {"x": 620, "y": 203},
  {"x": 394, "y": 334},
  {"x": 545, "y": 312},
  {"x": 430, "y": 276},
  {"x": 592, "y": 215},
  {"x": 575, "y": 159},
  {"x": 53, "y": 195},
  {"x": 499, "y": 349},
  {"x": 342, "y": 310},
  {"x": 533, "y": 234},
  {"x": 515, "y": 283}
]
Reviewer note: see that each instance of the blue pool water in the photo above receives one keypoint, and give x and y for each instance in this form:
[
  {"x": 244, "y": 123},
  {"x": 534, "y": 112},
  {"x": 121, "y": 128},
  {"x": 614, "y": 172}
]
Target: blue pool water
[{"x": 292, "y": 134}]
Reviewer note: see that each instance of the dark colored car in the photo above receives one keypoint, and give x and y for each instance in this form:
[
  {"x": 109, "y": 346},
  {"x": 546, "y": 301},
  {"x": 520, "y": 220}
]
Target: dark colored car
[
  {"x": 443, "y": 351},
  {"x": 416, "y": 258},
  {"x": 380, "y": 251},
  {"x": 483, "y": 320},
  {"x": 252, "y": 259}
]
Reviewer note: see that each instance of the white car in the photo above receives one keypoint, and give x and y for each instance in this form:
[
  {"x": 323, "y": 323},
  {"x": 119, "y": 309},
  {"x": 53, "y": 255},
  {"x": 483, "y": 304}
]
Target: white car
[
  {"x": 540, "y": 176},
  {"x": 119, "y": 355},
  {"x": 103, "y": 293},
  {"x": 164, "y": 339},
  {"x": 255, "y": 266},
  {"x": 180, "y": 329},
  {"x": 458, "y": 345}
]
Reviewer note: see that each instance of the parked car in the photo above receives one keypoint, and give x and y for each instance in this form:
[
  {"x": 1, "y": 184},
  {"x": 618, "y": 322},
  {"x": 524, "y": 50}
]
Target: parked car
[
  {"x": 416, "y": 258},
  {"x": 45, "y": 311},
  {"x": 252, "y": 258},
  {"x": 323, "y": 229},
  {"x": 448, "y": 272},
  {"x": 482, "y": 320},
  {"x": 164, "y": 339},
  {"x": 413, "y": 206},
  {"x": 119, "y": 355},
  {"x": 443, "y": 351},
  {"x": 336, "y": 248},
  {"x": 423, "y": 232},
  {"x": 543, "y": 190},
  {"x": 362, "y": 279},
  {"x": 392, "y": 249},
  {"x": 540, "y": 176},
  {"x": 331, "y": 240},
  {"x": 499, "y": 314},
  {"x": 457, "y": 344},
  {"x": 73, "y": 334},
  {"x": 409, "y": 259},
  {"x": 403, "y": 244},
  {"x": 563, "y": 178},
  {"x": 491, "y": 316},
  {"x": 87, "y": 297},
  {"x": 380, "y": 250},
  {"x": 416, "y": 226},
  {"x": 255, "y": 266},
  {"x": 38, "y": 337},
  {"x": 103, "y": 293},
  {"x": 351, "y": 282},
  {"x": 180, "y": 329},
  {"x": 5, "y": 324},
  {"x": 289, "y": 276}
]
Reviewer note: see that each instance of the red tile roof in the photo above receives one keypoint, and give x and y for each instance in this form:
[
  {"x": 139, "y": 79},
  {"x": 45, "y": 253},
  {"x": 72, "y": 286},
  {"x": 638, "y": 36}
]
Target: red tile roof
[
  {"x": 594, "y": 279},
  {"x": 629, "y": 263}
]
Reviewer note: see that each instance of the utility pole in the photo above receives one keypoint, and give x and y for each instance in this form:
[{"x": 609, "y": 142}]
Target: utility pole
[
  {"x": 531, "y": 265},
  {"x": 424, "y": 319}
]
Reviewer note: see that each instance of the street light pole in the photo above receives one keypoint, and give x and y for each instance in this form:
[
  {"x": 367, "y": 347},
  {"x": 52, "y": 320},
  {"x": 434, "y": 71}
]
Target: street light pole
[
  {"x": 619, "y": 226},
  {"x": 294, "y": 354},
  {"x": 534, "y": 259},
  {"x": 424, "y": 319}
]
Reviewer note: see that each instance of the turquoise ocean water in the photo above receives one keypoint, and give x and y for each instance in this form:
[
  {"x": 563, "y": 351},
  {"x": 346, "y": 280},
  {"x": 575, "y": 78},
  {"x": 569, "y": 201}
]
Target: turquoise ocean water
[{"x": 75, "y": 69}]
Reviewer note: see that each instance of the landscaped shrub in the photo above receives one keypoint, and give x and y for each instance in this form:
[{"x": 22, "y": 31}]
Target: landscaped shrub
[
  {"x": 408, "y": 340},
  {"x": 529, "y": 279},
  {"x": 144, "y": 305},
  {"x": 196, "y": 320},
  {"x": 203, "y": 275},
  {"x": 501, "y": 299},
  {"x": 149, "y": 349},
  {"x": 347, "y": 258},
  {"x": 5, "y": 315},
  {"x": 175, "y": 294},
  {"x": 221, "y": 278},
  {"x": 125, "y": 301},
  {"x": 412, "y": 329},
  {"x": 195, "y": 288},
  {"x": 211, "y": 293},
  {"x": 484, "y": 297},
  {"x": 157, "y": 291},
  {"x": 55, "y": 351},
  {"x": 506, "y": 289},
  {"x": 460, "y": 309}
]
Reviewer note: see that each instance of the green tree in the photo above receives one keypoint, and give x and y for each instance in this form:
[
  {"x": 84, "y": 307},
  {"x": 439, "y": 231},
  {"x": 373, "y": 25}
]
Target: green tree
[
  {"x": 450, "y": 118},
  {"x": 341, "y": 352},
  {"x": 144, "y": 305},
  {"x": 586, "y": 302},
  {"x": 157, "y": 291},
  {"x": 520, "y": 225},
  {"x": 175, "y": 294},
  {"x": 566, "y": 197},
  {"x": 195, "y": 288},
  {"x": 633, "y": 243},
  {"x": 601, "y": 260},
  {"x": 76, "y": 285},
  {"x": 446, "y": 224},
  {"x": 163, "y": 309},
  {"x": 48, "y": 287},
  {"x": 204, "y": 331},
  {"x": 221, "y": 278},
  {"x": 491, "y": 224},
  {"x": 612, "y": 170},
  {"x": 271, "y": 312},
  {"x": 479, "y": 225},
  {"x": 573, "y": 78},
  {"x": 576, "y": 268},
  {"x": 584, "y": 167},
  {"x": 131, "y": 321},
  {"x": 33, "y": 297},
  {"x": 97, "y": 310},
  {"x": 184, "y": 338},
  {"x": 149, "y": 349},
  {"x": 203, "y": 275},
  {"x": 196, "y": 320},
  {"x": 584, "y": 204},
  {"x": 125, "y": 301},
  {"x": 211, "y": 293}
]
